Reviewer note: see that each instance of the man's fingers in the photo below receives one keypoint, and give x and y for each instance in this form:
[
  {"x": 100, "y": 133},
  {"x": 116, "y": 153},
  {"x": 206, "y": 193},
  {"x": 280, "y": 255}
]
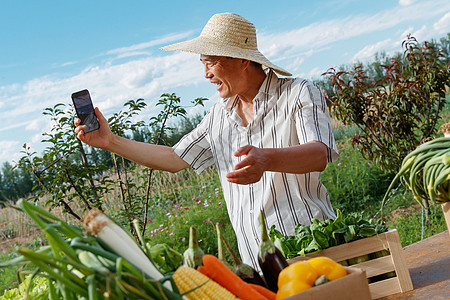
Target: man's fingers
[
  {"x": 80, "y": 128},
  {"x": 99, "y": 114},
  {"x": 239, "y": 173},
  {"x": 242, "y": 150}
]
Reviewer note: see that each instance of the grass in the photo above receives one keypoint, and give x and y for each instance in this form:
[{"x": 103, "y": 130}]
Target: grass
[
  {"x": 411, "y": 226},
  {"x": 8, "y": 275},
  {"x": 199, "y": 205},
  {"x": 354, "y": 183}
]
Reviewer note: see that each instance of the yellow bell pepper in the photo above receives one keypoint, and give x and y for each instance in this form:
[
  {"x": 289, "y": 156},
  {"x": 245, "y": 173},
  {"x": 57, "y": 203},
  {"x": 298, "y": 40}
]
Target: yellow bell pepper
[
  {"x": 328, "y": 267},
  {"x": 291, "y": 288},
  {"x": 301, "y": 275},
  {"x": 298, "y": 271},
  {"x": 295, "y": 279}
]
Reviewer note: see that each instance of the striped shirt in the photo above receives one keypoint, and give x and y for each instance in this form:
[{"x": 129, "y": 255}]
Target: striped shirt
[{"x": 287, "y": 112}]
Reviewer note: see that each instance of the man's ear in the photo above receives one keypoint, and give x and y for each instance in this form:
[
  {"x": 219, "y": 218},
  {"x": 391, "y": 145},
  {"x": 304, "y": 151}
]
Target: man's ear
[{"x": 245, "y": 63}]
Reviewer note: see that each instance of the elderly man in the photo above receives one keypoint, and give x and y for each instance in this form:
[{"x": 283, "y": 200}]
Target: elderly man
[{"x": 269, "y": 137}]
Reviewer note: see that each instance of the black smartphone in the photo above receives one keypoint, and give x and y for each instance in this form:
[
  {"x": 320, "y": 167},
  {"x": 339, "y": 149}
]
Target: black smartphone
[{"x": 85, "y": 110}]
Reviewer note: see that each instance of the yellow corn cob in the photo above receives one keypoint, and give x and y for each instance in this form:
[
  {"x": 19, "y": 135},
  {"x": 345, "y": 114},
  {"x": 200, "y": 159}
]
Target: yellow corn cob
[{"x": 187, "y": 278}]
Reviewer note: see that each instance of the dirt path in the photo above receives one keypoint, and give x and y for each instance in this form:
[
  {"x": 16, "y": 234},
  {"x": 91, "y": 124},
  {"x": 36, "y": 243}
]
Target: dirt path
[{"x": 6, "y": 245}]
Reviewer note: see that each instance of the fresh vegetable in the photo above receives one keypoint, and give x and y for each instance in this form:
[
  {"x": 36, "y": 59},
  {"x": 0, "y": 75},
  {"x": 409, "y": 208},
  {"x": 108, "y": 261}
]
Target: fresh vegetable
[
  {"x": 264, "y": 291},
  {"x": 167, "y": 259},
  {"x": 298, "y": 271},
  {"x": 358, "y": 259},
  {"x": 226, "y": 278},
  {"x": 220, "y": 249},
  {"x": 121, "y": 242},
  {"x": 79, "y": 266},
  {"x": 194, "y": 254},
  {"x": 195, "y": 285},
  {"x": 246, "y": 272},
  {"x": 426, "y": 172},
  {"x": 292, "y": 288},
  {"x": 328, "y": 267},
  {"x": 203, "y": 270},
  {"x": 303, "y": 275},
  {"x": 37, "y": 288},
  {"x": 320, "y": 235},
  {"x": 270, "y": 258},
  {"x": 445, "y": 128},
  {"x": 379, "y": 254}
]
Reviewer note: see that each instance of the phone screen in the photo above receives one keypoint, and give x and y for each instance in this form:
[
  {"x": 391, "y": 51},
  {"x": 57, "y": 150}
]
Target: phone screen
[{"x": 85, "y": 110}]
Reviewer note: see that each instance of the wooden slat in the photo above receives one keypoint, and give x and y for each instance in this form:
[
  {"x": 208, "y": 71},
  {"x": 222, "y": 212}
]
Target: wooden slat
[
  {"x": 393, "y": 262},
  {"x": 377, "y": 266},
  {"x": 446, "y": 209},
  {"x": 384, "y": 288},
  {"x": 352, "y": 249},
  {"x": 399, "y": 261}
]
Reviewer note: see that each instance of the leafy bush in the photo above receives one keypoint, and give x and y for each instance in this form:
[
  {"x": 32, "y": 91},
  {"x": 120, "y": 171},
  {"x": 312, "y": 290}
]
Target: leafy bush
[{"x": 399, "y": 111}]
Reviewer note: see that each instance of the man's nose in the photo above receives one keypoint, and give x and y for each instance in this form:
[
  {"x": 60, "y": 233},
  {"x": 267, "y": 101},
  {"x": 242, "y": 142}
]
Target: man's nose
[{"x": 208, "y": 74}]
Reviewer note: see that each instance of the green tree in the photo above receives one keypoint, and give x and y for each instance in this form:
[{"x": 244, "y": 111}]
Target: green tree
[{"x": 72, "y": 172}]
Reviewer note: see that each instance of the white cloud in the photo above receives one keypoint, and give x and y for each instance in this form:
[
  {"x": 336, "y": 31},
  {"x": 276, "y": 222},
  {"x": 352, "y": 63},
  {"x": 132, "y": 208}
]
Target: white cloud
[
  {"x": 36, "y": 139},
  {"x": 9, "y": 151},
  {"x": 314, "y": 73},
  {"x": 110, "y": 85},
  {"x": 409, "y": 30},
  {"x": 406, "y": 2},
  {"x": 162, "y": 41},
  {"x": 69, "y": 63},
  {"x": 370, "y": 50},
  {"x": 443, "y": 25},
  {"x": 12, "y": 125},
  {"x": 285, "y": 45},
  {"x": 37, "y": 124},
  {"x": 422, "y": 34}
]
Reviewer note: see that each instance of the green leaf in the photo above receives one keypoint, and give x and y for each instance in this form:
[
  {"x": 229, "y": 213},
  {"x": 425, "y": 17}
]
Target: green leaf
[{"x": 320, "y": 238}]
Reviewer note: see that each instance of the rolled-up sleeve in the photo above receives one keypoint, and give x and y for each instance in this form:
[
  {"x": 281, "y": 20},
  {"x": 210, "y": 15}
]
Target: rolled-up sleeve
[
  {"x": 194, "y": 148},
  {"x": 313, "y": 120}
]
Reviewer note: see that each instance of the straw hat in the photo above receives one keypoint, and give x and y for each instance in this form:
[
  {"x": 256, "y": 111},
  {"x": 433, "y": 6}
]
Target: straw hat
[{"x": 230, "y": 35}]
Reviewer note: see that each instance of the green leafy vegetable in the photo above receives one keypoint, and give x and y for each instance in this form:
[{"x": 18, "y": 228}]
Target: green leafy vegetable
[{"x": 320, "y": 235}]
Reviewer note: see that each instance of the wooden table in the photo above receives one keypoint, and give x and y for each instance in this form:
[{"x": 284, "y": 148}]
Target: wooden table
[{"x": 428, "y": 262}]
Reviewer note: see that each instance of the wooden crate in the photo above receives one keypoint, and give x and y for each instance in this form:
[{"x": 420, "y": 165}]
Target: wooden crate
[
  {"x": 353, "y": 286},
  {"x": 393, "y": 262},
  {"x": 446, "y": 209}
]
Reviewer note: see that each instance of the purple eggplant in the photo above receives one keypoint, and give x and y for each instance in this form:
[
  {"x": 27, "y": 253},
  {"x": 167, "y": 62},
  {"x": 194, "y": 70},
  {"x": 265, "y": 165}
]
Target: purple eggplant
[
  {"x": 270, "y": 258},
  {"x": 244, "y": 271}
]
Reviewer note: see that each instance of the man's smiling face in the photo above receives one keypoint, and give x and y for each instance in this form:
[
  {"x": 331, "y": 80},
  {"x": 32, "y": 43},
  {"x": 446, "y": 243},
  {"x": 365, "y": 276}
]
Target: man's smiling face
[{"x": 224, "y": 72}]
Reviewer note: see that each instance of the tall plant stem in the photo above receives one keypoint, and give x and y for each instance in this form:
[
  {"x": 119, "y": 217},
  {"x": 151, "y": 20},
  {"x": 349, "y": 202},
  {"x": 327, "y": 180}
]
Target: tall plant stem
[{"x": 150, "y": 177}]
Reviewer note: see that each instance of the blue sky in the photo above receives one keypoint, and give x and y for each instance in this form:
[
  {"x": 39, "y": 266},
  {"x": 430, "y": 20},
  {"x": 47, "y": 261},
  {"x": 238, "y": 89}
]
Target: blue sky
[{"x": 49, "y": 49}]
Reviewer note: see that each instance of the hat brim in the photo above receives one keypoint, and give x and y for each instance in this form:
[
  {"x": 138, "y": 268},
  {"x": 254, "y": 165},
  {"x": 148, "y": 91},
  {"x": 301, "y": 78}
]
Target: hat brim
[{"x": 205, "y": 46}]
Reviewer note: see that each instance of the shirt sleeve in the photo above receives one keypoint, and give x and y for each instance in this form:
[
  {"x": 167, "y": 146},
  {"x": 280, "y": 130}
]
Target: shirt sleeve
[
  {"x": 313, "y": 120},
  {"x": 194, "y": 148}
]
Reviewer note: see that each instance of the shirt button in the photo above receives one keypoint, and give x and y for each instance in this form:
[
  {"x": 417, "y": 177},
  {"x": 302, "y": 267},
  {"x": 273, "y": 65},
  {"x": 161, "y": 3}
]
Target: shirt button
[{"x": 251, "y": 211}]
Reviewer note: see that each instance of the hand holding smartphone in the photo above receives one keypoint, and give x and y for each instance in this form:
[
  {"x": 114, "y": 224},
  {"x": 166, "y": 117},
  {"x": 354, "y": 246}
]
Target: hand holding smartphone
[{"x": 85, "y": 110}]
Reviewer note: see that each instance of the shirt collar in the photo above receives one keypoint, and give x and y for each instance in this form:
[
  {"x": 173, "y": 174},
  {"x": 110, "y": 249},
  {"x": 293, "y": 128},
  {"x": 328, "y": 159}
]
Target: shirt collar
[
  {"x": 269, "y": 84},
  {"x": 268, "y": 87}
]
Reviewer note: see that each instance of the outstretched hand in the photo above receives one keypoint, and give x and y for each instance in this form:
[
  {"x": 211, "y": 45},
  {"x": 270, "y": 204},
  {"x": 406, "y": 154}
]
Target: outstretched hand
[
  {"x": 98, "y": 138},
  {"x": 251, "y": 168}
]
